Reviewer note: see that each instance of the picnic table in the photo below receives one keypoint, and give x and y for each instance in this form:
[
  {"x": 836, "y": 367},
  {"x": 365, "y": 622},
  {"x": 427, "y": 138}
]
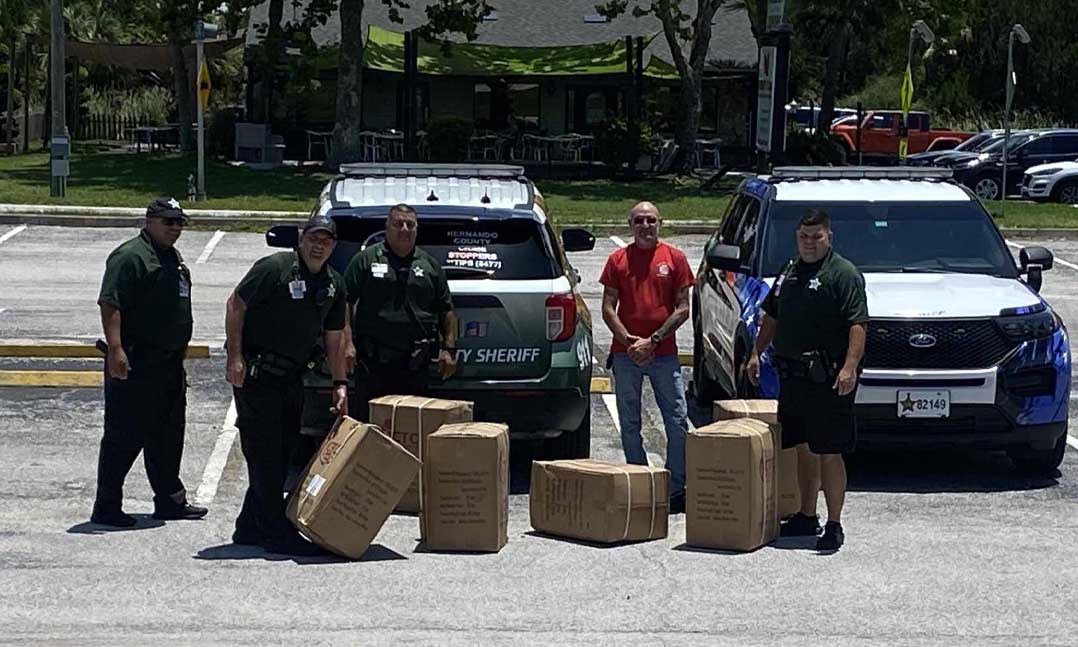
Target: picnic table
[{"x": 151, "y": 135}]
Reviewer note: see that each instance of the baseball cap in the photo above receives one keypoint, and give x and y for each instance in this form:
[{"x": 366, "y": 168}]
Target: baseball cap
[
  {"x": 321, "y": 222},
  {"x": 166, "y": 208}
]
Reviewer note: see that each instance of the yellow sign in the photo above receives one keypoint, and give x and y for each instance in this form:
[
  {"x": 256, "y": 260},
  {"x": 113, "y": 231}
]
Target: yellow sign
[
  {"x": 907, "y": 91},
  {"x": 903, "y": 148},
  {"x": 204, "y": 85}
]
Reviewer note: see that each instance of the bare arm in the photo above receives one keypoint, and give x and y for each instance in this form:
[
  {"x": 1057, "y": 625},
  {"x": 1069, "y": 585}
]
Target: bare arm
[
  {"x": 846, "y": 381},
  {"x": 610, "y": 316},
  {"x": 447, "y": 359},
  {"x": 766, "y": 334},
  {"x": 679, "y": 316},
  {"x": 110, "y": 324},
  {"x": 235, "y": 313},
  {"x": 334, "y": 343}
]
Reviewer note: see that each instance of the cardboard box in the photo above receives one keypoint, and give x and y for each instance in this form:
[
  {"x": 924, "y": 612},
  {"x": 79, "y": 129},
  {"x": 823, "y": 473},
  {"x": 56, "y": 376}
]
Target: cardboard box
[
  {"x": 731, "y": 501},
  {"x": 350, "y": 488},
  {"x": 600, "y": 501},
  {"x": 768, "y": 411},
  {"x": 466, "y": 488},
  {"x": 409, "y": 419}
]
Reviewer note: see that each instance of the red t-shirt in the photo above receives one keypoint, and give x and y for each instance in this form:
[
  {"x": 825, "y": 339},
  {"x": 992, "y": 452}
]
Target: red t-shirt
[{"x": 647, "y": 282}]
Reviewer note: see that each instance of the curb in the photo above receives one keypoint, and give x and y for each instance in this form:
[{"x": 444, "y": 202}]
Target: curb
[{"x": 80, "y": 351}]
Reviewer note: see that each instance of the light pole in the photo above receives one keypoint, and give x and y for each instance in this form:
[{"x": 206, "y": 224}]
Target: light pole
[
  {"x": 59, "y": 143},
  {"x": 1017, "y": 31},
  {"x": 203, "y": 31},
  {"x": 918, "y": 30}
]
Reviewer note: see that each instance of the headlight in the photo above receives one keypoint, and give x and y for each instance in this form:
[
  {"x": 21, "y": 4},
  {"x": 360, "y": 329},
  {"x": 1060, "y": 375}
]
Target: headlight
[
  {"x": 1027, "y": 327},
  {"x": 972, "y": 163}
]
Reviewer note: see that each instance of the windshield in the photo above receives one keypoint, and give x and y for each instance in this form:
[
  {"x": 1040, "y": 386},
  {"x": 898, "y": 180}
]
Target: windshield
[
  {"x": 897, "y": 237},
  {"x": 997, "y": 144},
  {"x": 976, "y": 142}
]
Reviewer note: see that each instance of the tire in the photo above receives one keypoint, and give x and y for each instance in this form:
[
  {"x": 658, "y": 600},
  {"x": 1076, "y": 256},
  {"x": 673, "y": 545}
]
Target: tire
[
  {"x": 1040, "y": 462},
  {"x": 704, "y": 388},
  {"x": 986, "y": 187},
  {"x": 573, "y": 444},
  {"x": 1066, "y": 192}
]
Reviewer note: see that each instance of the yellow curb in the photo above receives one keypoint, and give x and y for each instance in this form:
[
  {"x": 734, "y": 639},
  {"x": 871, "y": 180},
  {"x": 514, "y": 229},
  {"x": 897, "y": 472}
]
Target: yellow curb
[
  {"x": 685, "y": 359},
  {"x": 51, "y": 379},
  {"x": 78, "y": 351},
  {"x": 600, "y": 385}
]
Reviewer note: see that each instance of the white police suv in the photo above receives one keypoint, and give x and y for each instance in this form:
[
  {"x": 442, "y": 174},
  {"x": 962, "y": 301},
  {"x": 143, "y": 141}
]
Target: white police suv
[{"x": 961, "y": 348}]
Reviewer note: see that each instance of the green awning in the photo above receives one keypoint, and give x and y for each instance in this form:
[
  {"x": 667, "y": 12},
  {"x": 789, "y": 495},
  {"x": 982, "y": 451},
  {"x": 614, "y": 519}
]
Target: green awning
[{"x": 384, "y": 51}]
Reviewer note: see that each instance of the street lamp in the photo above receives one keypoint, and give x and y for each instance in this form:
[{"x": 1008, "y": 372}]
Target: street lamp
[
  {"x": 1019, "y": 32},
  {"x": 921, "y": 31}
]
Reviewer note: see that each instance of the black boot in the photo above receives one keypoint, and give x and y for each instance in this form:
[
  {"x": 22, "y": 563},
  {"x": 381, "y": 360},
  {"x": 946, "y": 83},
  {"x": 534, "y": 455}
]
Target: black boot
[
  {"x": 178, "y": 511},
  {"x": 112, "y": 517}
]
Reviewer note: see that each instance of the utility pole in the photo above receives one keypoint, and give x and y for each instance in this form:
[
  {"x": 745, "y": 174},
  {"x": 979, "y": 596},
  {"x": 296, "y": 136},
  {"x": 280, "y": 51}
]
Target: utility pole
[
  {"x": 60, "y": 143},
  {"x": 1020, "y": 32},
  {"x": 202, "y": 94}
]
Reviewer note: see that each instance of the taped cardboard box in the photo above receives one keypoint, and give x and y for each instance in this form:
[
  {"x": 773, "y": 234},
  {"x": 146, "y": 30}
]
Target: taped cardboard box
[
  {"x": 768, "y": 411},
  {"x": 350, "y": 488},
  {"x": 466, "y": 488},
  {"x": 731, "y": 501},
  {"x": 409, "y": 420},
  {"x": 600, "y": 501}
]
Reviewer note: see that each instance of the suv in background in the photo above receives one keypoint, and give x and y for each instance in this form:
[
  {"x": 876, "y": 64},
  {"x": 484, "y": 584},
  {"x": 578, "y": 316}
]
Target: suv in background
[
  {"x": 961, "y": 349},
  {"x": 525, "y": 339},
  {"x": 974, "y": 144},
  {"x": 1058, "y": 182},
  {"x": 984, "y": 173}
]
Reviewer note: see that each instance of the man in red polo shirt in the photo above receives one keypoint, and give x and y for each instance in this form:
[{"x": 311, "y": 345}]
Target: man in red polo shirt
[{"x": 645, "y": 300}]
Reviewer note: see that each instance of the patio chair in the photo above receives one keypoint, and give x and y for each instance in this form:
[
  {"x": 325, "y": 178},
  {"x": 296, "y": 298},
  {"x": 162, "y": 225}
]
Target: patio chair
[
  {"x": 256, "y": 143},
  {"x": 319, "y": 138},
  {"x": 372, "y": 148},
  {"x": 666, "y": 156},
  {"x": 535, "y": 148}
]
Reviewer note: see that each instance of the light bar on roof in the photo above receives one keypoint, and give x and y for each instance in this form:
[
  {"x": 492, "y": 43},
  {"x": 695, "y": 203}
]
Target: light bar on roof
[
  {"x": 862, "y": 173},
  {"x": 489, "y": 171}
]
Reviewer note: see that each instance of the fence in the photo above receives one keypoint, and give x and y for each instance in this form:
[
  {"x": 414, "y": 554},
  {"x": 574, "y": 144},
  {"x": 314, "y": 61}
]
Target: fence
[{"x": 106, "y": 128}]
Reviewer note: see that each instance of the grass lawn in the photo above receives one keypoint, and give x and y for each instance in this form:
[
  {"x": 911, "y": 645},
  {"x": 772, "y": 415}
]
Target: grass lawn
[{"x": 130, "y": 180}]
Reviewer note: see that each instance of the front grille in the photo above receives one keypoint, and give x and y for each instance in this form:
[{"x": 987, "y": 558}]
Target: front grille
[{"x": 959, "y": 344}]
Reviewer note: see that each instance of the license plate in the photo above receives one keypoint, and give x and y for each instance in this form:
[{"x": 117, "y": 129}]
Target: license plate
[{"x": 924, "y": 404}]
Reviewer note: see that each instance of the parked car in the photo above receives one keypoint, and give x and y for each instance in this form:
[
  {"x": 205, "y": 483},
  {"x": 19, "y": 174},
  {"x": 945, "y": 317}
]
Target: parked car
[
  {"x": 984, "y": 173},
  {"x": 956, "y": 326},
  {"x": 974, "y": 144},
  {"x": 1058, "y": 182},
  {"x": 881, "y": 131},
  {"x": 808, "y": 117},
  {"x": 525, "y": 341}
]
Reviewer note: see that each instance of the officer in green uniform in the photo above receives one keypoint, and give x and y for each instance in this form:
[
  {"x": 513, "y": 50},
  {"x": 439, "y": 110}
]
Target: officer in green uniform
[
  {"x": 273, "y": 321},
  {"x": 401, "y": 315},
  {"x": 145, "y": 306},
  {"x": 816, "y": 315}
]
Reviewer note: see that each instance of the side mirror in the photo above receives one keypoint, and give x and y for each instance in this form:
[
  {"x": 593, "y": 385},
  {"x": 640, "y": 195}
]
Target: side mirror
[
  {"x": 1035, "y": 257},
  {"x": 286, "y": 236},
  {"x": 577, "y": 240},
  {"x": 724, "y": 257}
]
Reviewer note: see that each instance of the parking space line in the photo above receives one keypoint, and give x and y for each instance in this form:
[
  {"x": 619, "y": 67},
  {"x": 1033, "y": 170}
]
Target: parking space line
[
  {"x": 618, "y": 241},
  {"x": 210, "y": 246},
  {"x": 51, "y": 379},
  {"x": 1057, "y": 259},
  {"x": 13, "y": 233},
  {"x": 215, "y": 467},
  {"x": 1072, "y": 441}
]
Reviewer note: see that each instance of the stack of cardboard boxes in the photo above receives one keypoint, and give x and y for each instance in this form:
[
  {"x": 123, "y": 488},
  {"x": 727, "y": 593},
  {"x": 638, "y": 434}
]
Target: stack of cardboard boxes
[{"x": 768, "y": 411}]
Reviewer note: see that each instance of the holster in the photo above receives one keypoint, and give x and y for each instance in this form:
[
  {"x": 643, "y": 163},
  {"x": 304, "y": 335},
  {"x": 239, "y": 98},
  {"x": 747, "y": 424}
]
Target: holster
[
  {"x": 266, "y": 366},
  {"x": 814, "y": 366}
]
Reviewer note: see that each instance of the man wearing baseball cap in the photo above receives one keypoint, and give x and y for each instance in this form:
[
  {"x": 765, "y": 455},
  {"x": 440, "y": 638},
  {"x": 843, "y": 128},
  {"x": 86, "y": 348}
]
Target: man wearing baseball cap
[
  {"x": 273, "y": 321},
  {"x": 145, "y": 303}
]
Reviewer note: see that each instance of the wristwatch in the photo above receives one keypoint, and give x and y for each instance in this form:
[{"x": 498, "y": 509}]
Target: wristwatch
[{"x": 656, "y": 338}]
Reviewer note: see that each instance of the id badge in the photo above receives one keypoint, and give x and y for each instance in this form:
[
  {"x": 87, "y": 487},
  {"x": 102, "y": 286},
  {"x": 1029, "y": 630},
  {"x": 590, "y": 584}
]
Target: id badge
[
  {"x": 185, "y": 289},
  {"x": 297, "y": 289},
  {"x": 378, "y": 270}
]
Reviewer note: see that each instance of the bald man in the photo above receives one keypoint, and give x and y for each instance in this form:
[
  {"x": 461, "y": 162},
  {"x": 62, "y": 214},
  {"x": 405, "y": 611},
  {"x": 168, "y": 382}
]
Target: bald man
[{"x": 645, "y": 300}]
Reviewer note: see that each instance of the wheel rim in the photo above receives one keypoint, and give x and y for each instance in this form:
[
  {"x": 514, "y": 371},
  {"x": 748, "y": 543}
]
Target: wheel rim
[
  {"x": 987, "y": 189},
  {"x": 1069, "y": 194}
]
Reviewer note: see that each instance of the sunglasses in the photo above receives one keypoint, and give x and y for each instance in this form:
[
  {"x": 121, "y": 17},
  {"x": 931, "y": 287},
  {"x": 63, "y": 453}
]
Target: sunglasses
[{"x": 645, "y": 221}]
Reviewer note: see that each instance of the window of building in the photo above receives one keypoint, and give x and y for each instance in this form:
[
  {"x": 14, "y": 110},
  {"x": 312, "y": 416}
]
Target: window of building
[
  {"x": 482, "y": 101},
  {"x": 525, "y": 105}
]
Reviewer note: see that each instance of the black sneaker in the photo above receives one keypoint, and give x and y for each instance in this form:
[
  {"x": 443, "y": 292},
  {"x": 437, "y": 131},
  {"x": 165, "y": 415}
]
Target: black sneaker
[
  {"x": 832, "y": 538},
  {"x": 800, "y": 525},
  {"x": 179, "y": 512},
  {"x": 677, "y": 503},
  {"x": 294, "y": 546},
  {"x": 116, "y": 518}
]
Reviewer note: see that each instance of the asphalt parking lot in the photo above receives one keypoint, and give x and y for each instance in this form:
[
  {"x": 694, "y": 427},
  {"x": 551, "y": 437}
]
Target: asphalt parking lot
[{"x": 943, "y": 548}]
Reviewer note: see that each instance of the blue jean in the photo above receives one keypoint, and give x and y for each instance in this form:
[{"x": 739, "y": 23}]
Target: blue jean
[{"x": 664, "y": 373}]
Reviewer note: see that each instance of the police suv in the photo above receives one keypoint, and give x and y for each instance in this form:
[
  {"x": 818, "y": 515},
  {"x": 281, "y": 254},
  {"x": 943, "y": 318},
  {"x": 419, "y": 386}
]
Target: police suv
[
  {"x": 961, "y": 349},
  {"x": 525, "y": 342}
]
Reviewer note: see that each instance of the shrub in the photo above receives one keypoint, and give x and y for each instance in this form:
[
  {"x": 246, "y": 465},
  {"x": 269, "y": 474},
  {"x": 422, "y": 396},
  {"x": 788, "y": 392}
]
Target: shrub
[
  {"x": 615, "y": 142},
  {"x": 149, "y": 105},
  {"x": 447, "y": 139}
]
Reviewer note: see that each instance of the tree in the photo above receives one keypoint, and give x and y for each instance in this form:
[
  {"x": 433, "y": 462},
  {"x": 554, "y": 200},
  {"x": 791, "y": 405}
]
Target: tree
[
  {"x": 14, "y": 17},
  {"x": 682, "y": 32}
]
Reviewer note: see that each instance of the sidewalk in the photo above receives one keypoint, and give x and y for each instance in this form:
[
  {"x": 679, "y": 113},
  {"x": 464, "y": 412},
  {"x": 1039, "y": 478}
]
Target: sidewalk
[{"x": 75, "y": 216}]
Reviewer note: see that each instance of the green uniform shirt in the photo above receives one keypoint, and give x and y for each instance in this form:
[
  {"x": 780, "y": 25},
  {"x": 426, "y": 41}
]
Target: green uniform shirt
[
  {"x": 815, "y": 304},
  {"x": 288, "y": 307},
  {"x": 382, "y": 287},
  {"x": 151, "y": 288}
]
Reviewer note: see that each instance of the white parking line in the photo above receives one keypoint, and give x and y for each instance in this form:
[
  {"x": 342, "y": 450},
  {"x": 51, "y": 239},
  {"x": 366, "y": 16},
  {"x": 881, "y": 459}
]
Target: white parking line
[
  {"x": 1072, "y": 441},
  {"x": 211, "y": 476},
  {"x": 210, "y": 246},
  {"x": 13, "y": 233},
  {"x": 618, "y": 241},
  {"x": 1057, "y": 259}
]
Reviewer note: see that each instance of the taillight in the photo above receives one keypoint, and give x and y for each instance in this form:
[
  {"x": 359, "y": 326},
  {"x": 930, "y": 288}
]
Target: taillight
[{"x": 560, "y": 316}]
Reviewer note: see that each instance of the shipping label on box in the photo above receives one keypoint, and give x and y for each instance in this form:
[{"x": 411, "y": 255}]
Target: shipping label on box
[
  {"x": 409, "y": 420},
  {"x": 466, "y": 488},
  {"x": 600, "y": 501},
  {"x": 768, "y": 411}
]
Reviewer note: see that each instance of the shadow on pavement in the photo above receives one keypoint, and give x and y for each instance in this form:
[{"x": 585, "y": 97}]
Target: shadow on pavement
[
  {"x": 586, "y": 544},
  {"x": 142, "y": 522},
  {"x": 236, "y": 552},
  {"x": 940, "y": 471}
]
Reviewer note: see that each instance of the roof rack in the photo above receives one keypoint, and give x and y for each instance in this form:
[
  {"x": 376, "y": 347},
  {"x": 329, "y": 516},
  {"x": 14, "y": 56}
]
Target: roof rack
[
  {"x": 492, "y": 173},
  {"x": 860, "y": 173}
]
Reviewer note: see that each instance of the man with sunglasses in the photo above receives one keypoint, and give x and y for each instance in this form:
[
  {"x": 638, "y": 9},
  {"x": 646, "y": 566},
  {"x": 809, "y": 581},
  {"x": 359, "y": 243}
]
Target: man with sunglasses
[
  {"x": 400, "y": 313},
  {"x": 273, "y": 321},
  {"x": 645, "y": 300},
  {"x": 145, "y": 304}
]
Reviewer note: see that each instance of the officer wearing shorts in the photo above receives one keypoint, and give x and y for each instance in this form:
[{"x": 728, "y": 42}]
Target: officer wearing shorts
[
  {"x": 145, "y": 306},
  {"x": 273, "y": 320},
  {"x": 814, "y": 320}
]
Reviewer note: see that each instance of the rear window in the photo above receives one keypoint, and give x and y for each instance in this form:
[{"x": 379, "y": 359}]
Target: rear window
[{"x": 511, "y": 249}]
